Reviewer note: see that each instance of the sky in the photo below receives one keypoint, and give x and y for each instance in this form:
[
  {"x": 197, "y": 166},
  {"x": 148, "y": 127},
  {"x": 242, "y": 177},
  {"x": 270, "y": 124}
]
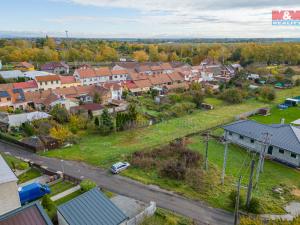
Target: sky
[{"x": 146, "y": 18}]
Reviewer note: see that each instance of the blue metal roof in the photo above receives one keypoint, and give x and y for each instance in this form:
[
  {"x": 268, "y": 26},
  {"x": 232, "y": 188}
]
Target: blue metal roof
[
  {"x": 283, "y": 136},
  {"x": 92, "y": 207}
]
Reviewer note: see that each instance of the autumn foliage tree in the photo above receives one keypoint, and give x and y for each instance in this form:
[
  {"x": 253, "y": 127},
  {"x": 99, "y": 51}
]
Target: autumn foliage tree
[{"x": 140, "y": 56}]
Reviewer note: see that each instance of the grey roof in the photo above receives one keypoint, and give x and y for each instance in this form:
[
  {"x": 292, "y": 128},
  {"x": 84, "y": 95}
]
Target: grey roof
[
  {"x": 92, "y": 207},
  {"x": 18, "y": 119},
  {"x": 4, "y": 94},
  {"x": 6, "y": 174},
  {"x": 11, "y": 74},
  {"x": 284, "y": 136}
]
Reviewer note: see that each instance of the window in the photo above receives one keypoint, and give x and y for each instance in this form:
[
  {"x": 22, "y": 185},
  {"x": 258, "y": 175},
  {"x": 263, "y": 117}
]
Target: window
[
  {"x": 293, "y": 155},
  {"x": 230, "y": 133},
  {"x": 57, "y": 81},
  {"x": 281, "y": 151},
  {"x": 270, "y": 150},
  {"x": 241, "y": 137},
  {"x": 252, "y": 141},
  {"x": 51, "y": 81},
  {"x": 46, "y": 82},
  {"x": 8, "y": 99}
]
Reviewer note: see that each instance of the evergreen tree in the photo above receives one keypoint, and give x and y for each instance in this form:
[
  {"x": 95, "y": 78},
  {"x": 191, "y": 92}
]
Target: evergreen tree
[{"x": 106, "y": 122}]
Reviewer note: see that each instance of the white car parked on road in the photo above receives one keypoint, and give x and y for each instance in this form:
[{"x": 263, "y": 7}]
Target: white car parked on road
[{"x": 119, "y": 166}]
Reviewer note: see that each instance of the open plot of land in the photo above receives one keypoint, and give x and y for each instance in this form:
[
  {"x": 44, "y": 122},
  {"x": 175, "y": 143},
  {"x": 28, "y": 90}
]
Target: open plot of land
[
  {"x": 103, "y": 151},
  {"x": 60, "y": 187}
]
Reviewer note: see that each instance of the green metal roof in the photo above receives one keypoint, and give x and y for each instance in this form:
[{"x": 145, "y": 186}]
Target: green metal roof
[{"x": 92, "y": 207}]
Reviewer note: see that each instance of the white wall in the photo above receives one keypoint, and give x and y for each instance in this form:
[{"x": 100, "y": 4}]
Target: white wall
[{"x": 9, "y": 197}]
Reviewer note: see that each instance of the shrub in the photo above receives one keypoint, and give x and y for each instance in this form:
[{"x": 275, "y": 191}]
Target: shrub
[
  {"x": 28, "y": 129},
  {"x": 267, "y": 93},
  {"x": 254, "y": 206},
  {"x": 60, "y": 133},
  {"x": 232, "y": 198},
  {"x": 191, "y": 158},
  {"x": 106, "y": 123},
  {"x": 174, "y": 169},
  {"x": 87, "y": 185},
  {"x": 49, "y": 206},
  {"x": 60, "y": 114},
  {"x": 233, "y": 96},
  {"x": 77, "y": 123}
]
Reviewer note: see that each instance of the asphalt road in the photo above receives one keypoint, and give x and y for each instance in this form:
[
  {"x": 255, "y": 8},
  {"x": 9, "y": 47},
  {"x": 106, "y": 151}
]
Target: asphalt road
[{"x": 199, "y": 211}]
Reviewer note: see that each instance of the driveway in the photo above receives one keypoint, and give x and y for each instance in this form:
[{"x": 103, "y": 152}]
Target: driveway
[{"x": 196, "y": 210}]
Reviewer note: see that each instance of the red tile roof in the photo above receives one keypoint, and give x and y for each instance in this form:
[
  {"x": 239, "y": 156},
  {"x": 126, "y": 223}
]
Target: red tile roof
[
  {"x": 67, "y": 79},
  {"x": 24, "y": 64},
  {"x": 47, "y": 78},
  {"x": 176, "y": 76},
  {"x": 143, "y": 83},
  {"x": 89, "y": 106},
  {"x": 26, "y": 85},
  {"x": 116, "y": 72},
  {"x": 159, "y": 79}
]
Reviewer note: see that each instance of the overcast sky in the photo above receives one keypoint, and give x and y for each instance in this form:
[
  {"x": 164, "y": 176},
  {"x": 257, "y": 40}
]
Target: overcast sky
[{"x": 147, "y": 18}]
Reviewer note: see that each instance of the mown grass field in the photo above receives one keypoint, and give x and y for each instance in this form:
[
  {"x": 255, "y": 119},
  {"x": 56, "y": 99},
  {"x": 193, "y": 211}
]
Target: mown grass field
[{"x": 29, "y": 175}]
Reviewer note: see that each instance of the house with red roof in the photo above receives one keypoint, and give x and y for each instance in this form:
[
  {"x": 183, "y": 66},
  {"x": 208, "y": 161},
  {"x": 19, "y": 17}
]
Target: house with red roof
[
  {"x": 69, "y": 81},
  {"x": 30, "y": 86}
]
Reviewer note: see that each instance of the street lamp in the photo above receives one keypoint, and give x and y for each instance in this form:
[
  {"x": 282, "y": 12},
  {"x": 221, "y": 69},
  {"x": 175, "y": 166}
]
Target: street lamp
[{"x": 62, "y": 165}]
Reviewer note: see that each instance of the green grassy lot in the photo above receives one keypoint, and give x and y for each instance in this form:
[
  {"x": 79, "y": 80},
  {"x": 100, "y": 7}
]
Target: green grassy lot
[
  {"x": 163, "y": 217},
  {"x": 275, "y": 175},
  {"x": 289, "y": 115},
  {"x": 14, "y": 162},
  {"x": 68, "y": 198},
  {"x": 29, "y": 175},
  {"x": 60, "y": 187},
  {"x": 103, "y": 151}
]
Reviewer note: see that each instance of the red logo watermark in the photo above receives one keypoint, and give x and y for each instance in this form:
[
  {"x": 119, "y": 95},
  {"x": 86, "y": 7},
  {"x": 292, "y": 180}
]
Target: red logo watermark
[{"x": 286, "y": 17}]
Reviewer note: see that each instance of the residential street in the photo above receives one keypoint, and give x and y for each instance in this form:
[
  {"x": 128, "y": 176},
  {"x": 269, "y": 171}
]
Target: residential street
[{"x": 199, "y": 211}]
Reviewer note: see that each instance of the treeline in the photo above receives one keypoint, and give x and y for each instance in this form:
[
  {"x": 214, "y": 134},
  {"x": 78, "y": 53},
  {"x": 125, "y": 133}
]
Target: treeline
[{"x": 48, "y": 49}]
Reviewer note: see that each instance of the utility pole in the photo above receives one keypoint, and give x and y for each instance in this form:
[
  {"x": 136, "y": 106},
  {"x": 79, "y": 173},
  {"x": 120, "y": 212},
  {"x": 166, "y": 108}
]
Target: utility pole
[
  {"x": 265, "y": 146},
  {"x": 237, "y": 203},
  {"x": 206, "y": 150},
  {"x": 249, "y": 192},
  {"x": 225, "y": 159}
]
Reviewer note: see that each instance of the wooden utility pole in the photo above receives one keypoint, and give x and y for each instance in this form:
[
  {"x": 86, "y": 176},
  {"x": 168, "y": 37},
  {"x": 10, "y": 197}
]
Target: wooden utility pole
[
  {"x": 225, "y": 159},
  {"x": 237, "y": 203},
  {"x": 249, "y": 192},
  {"x": 206, "y": 150}
]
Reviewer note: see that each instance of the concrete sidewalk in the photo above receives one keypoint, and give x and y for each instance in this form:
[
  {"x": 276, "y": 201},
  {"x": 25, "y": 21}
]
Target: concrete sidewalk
[{"x": 65, "y": 193}]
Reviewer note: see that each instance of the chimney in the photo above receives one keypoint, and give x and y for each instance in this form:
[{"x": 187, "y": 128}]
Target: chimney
[{"x": 282, "y": 121}]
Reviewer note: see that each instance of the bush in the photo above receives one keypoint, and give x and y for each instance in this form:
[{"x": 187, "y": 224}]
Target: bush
[
  {"x": 174, "y": 169},
  {"x": 28, "y": 129},
  {"x": 194, "y": 178},
  {"x": 87, "y": 185},
  {"x": 61, "y": 133},
  {"x": 191, "y": 158},
  {"x": 49, "y": 206},
  {"x": 232, "y": 198},
  {"x": 233, "y": 96},
  {"x": 254, "y": 206},
  {"x": 267, "y": 93},
  {"x": 60, "y": 114}
]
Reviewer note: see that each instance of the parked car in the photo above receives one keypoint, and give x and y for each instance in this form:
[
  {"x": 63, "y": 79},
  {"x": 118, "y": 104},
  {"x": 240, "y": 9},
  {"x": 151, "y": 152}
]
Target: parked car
[
  {"x": 33, "y": 192},
  {"x": 119, "y": 166}
]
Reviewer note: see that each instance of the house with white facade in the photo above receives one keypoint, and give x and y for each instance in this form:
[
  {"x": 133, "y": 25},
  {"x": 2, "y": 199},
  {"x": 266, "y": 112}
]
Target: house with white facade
[
  {"x": 9, "y": 195},
  {"x": 48, "y": 82},
  {"x": 90, "y": 76},
  {"x": 283, "y": 143}
]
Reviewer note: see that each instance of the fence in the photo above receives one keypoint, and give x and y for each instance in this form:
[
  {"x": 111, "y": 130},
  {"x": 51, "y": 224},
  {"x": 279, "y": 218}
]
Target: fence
[
  {"x": 25, "y": 146},
  {"x": 149, "y": 211}
]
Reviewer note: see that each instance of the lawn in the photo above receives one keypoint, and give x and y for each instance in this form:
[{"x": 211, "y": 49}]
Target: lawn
[
  {"x": 163, "y": 217},
  {"x": 102, "y": 151},
  {"x": 59, "y": 187},
  {"x": 15, "y": 163},
  {"x": 29, "y": 175},
  {"x": 289, "y": 115},
  {"x": 68, "y": 198}
]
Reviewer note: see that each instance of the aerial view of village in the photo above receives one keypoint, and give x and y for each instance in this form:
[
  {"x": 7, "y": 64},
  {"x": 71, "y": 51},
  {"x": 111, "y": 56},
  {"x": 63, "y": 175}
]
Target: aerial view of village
[{"x": 147, "y": 112}]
